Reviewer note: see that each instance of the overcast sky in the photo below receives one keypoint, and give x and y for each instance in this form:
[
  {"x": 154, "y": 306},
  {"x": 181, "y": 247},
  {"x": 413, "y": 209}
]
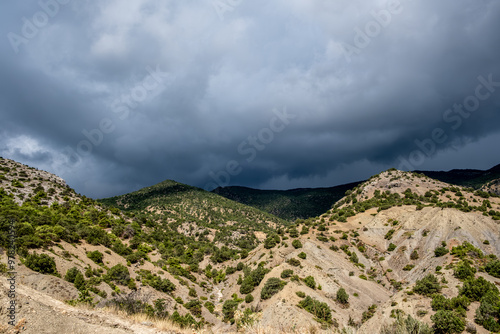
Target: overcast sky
[{"x": 116, "y": 95}]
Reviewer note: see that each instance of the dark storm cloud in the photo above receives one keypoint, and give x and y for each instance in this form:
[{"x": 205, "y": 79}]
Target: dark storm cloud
[{"x": 115, "y": 96}]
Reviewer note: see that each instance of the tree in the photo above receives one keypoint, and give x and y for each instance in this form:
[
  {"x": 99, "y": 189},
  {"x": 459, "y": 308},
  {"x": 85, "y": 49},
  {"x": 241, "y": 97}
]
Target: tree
[
  {"x": 446, "y": 322},
  {"x": 96, "y": 256},
  {"x": 310, "y": 282},
  {"x": 489, "y": 311},
  {"x": 427, "y": 285},
  {"x": 248, "y": 298},
  {"x": 440, "y": 251},
  {"x": 42, "y": 263},
  {"x": 273, "y": 285},
  {"x": 71, "y": 274},
  {"x": 228, "y": 309},
  {"x": 464, "y": 270},
  {"x": 342, "y": 296},
  {"x": 296, "y": 243}
]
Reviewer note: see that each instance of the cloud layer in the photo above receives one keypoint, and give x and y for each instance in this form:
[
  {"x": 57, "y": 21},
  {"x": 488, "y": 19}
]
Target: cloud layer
[{"x": 115, "y": 96}]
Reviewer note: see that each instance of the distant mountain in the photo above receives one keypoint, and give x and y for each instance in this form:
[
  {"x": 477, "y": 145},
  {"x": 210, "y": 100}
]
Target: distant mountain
[
  {"x": 196, "y": 210},
  {"x": 465, "y": 177},
  {"x": 288, "y": 204}
]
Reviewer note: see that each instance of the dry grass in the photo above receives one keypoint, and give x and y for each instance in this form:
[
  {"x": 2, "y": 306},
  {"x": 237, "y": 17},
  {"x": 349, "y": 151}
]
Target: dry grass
[{"x": 171, "y": 328}]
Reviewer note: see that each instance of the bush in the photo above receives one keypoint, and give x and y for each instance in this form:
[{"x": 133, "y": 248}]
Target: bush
[
  {"x": 440, "y": 251},
  {"x": 252, "y": 280},
  {"x": 300, "y": 294},
  {"x": 427, "y": 285},
  {"x": 42, "y": 263},
  {"x": 407, "y": 325},
  {"x": 488, "y": 312},
  {"x": 389, "y": 234},
  {"x": 71, "y": 274},
  {"x": 475, "y": 289},
  {"x": 194, "y": 306},
  {"x": 273, "y": 285},
  {"x": 493, "y": 268},
  {"x": 95, "y": 256},
  {"x": 302, "y": 255},
  {"x": 119, "y": 274},
  {"x": 286, "y": 273},
  {"x": 342, "y": 296},
  {"x": 391, "y": 247},
  {"x": 297, "y": 244},
  {"x": 228, "y": 309},
  {"x": 210, "y": 306},
  {"x": 293, "y": 262},
  {"x": 464, "y": 271},
  {"x": 414, "y": 255},
  {"x": 447, "y": 322},
  {"x": 310, "y": 282},
  {"x": 248, "y": 298},
  {"x": 321, "y": 310}
]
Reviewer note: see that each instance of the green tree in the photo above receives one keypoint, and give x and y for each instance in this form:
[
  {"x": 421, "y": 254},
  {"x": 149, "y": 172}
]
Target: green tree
[
  {"x": 272, "y": 286},
  {"x": 296, "y": 243},
  {"x": 228, "y": 309},
  {"x": 427, "y": 285},
  {"x": 447, "y": 322},
  {"x": 42, "y": 263},
  {"x": 464, "y": 270},
  {"x": 310, "y": 282},
  {"x": 71, "y": 274},
  {"x": 342, "y": 296}
]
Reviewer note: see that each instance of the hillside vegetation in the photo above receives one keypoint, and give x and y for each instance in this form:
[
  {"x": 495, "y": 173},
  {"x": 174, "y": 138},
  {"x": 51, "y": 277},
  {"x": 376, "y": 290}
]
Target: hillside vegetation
[
  {"x": 288, "y": 204},
  {"x": 399, "y": 253}
]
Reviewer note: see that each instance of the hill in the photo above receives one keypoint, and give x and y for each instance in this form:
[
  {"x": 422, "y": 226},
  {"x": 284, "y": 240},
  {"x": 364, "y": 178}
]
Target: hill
[
  {"x": 465, "y": 177},
  {"x": 287, "y": 204},
  {"x": 400, "y": 250}
]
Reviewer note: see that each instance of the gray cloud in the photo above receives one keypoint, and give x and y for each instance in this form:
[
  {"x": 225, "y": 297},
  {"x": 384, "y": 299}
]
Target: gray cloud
[{"x": 367, "y": 82}]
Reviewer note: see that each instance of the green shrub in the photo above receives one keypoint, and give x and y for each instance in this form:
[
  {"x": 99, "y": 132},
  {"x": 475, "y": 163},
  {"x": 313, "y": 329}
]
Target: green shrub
[
  {"x": 464, "y": 270},
  {"x": 194, "y": 306},
  {"x": 297, "y": 244},
  {"x": 414, "y": 255},
  {"x": 228, "y": 309},
  {"x": 493, "y": 268},
  {"x": 342, "y": 296},
  {"x": 286, "y": 273},
  {"x": 302, "y": 255},
  {"x": 475, "y": 289},
  {"x": 293, "y": 262},
  {"x": 209, "y": 306},
  {"x": 95, "y": 256},
  {"x": 71, "y": 274},
  {"x": 320, "y": 310},
  {"x": 488, "y": 313},
  {"x": 391, "y": 247},
  {"x": 407, "y": 325},
  {"x": 427, "y": 285},
  {"x": 248, "y": 298},
  {"x": 440, "y": 251},
  {"x": 389, "y": 234},
  {"x": 310, "y": 282},
  {"x": 118, "y": 273},
  {"x": 300, "y": 294},
  {"x": 252, "y": 280},
  {"x": 448, "y": 322},
  {"x": 42, "y": 263},
  {"x": 272, "y": 286}
]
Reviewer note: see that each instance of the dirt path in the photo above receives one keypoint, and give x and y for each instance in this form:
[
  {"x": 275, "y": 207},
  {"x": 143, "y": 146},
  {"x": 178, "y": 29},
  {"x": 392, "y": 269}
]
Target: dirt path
[{"x": 45, "y": 315}]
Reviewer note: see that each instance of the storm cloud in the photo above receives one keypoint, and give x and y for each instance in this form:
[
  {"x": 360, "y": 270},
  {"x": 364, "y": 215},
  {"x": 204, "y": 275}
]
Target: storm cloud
[{"x": 115, "y": 96}]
